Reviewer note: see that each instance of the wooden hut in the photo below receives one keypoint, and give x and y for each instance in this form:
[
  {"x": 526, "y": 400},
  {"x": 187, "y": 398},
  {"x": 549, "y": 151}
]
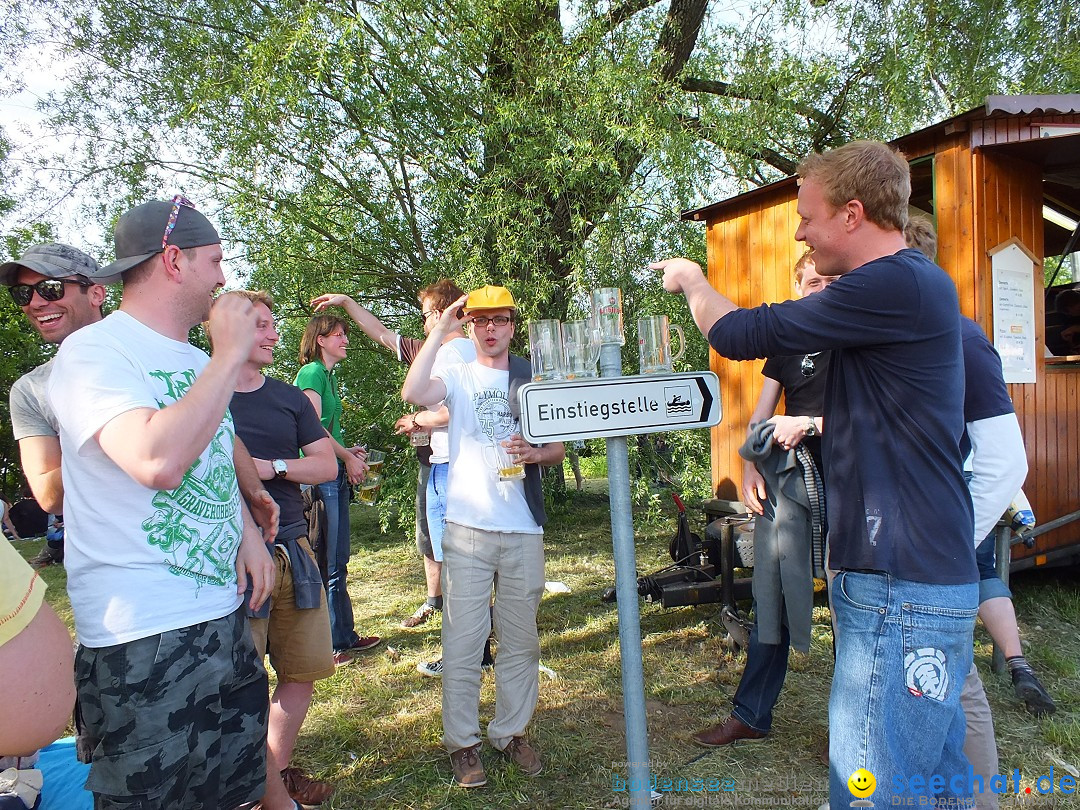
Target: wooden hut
[{"x": 1000, "y": 181}]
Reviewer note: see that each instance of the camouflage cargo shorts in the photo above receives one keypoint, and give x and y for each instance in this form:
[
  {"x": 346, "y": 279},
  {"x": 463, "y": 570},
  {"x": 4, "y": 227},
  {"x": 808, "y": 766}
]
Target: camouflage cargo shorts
[{"x": 176, "y": 720}]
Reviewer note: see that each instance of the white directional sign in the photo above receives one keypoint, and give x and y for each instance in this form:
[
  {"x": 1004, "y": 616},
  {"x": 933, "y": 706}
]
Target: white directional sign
[{"x": 618, "y": 406}]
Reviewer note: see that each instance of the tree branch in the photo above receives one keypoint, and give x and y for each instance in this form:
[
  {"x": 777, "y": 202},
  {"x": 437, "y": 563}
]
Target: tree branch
[{"x": 726, "y": 89}]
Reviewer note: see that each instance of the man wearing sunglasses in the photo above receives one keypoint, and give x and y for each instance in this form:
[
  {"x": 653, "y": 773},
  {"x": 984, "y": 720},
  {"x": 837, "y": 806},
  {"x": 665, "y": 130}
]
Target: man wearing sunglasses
[
  {"x": 57, "y": 287},
  {"x": 493, "y": 535},
  {"x": 172, "y": 699}
]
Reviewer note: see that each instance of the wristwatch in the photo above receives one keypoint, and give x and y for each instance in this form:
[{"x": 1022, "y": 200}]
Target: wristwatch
[
  {"x": 811, "y": 427},
  {"x": 281, "y": 469}
]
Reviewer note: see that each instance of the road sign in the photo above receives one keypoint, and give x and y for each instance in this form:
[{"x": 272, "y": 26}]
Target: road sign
[{"x": 618, "y": 406}]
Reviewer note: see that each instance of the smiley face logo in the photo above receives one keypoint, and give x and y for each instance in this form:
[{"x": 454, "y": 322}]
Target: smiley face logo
[{"x": 862, "y": 783}]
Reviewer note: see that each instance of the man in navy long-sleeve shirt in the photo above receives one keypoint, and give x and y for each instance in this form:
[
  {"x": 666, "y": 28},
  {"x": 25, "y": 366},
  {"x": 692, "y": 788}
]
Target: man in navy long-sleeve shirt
[{"x": 900, "y": 518}]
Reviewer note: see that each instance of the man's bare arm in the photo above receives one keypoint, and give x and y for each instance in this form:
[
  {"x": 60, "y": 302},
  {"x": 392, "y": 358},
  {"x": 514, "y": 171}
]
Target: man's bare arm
[
  {"x": 368, "y": 323},
  {"x": 264, "y": 509},
  {"x": 433, "y": 419},
  {"x": 706, "y": 304},
  {"x": 317, "y": 466},
  {"x": 254, "y": 562},
  {"x": 420, "y": 387},
  {"x": 144, "y": 442},
  {"x": 40, "y": 457},
  {"x": 546, "y": 455}
]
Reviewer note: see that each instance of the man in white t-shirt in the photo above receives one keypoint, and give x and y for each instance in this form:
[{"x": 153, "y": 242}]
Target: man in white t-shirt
[
  {"x": 494, "y": 532},
  {"x": 172, "y": 697}
]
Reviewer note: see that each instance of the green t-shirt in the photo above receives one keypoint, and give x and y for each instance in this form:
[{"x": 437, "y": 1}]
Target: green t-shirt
[{"x": 318, "y": 378}]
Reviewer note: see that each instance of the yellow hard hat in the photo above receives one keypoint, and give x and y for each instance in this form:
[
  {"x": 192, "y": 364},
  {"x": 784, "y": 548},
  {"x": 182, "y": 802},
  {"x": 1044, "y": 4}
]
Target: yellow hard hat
[{"x": 489, "y": 297}]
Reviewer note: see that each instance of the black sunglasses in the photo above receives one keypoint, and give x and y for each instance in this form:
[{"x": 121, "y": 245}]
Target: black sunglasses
[
  {"x": 50, "y": 289},
  {"x": 807, "y": 366}
]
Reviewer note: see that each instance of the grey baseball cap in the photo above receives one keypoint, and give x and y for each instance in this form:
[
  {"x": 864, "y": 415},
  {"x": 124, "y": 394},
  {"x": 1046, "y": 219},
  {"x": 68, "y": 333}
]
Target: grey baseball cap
[
  {"x": 139, "y": 233},
  {"x": 55, "y": 261}
]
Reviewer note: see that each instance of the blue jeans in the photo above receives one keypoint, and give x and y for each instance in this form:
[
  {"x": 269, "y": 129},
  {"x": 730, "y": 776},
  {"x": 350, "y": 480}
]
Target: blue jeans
[
  {"x": 903, "y": 651},
  {"x": 991, "y": 585},
  {"x": 762, "y": 679},
  {"x": 336, "y": 498},
  {"x": 436, "y": 508}
]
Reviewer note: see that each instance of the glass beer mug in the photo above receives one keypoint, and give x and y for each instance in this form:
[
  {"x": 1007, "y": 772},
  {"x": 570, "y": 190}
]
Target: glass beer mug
[
  {"x": 654, "y": 344},
  {"x": 581, "y": 348},
  {"x": 508, "y": 468},
  {"x": 545, "y": 350}
]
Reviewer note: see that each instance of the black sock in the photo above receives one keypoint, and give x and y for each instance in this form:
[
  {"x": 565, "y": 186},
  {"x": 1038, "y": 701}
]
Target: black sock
[{"x": 435, "y": 602}]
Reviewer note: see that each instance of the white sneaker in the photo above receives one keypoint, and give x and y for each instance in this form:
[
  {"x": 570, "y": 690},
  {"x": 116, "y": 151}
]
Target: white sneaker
[{"x": 430, "y": 669}]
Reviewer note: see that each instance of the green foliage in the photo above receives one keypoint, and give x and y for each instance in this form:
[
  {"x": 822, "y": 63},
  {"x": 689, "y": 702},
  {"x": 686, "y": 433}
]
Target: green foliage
[{"x": 371, "y": 148}]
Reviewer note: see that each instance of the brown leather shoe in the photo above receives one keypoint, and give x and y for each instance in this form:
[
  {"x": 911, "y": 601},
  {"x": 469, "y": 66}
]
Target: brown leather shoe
[
  {"x": 520, "y": 751},
  {"x": 468, "y": 769},
  {"x": 304, "y": 789},
  {"x": 423, "y": 613},
  {"x": 730, "y": 731}
]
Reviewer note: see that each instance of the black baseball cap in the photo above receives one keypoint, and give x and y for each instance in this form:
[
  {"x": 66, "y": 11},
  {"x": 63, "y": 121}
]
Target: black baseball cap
[
  {"x": 54, "y": 260},
  {"x": 139, "y": 233}
]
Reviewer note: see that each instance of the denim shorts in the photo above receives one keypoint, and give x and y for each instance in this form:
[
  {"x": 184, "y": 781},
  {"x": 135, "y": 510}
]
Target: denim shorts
[
  {"x": 174, "y": 720},
  {"x": 990, "y": 584}
]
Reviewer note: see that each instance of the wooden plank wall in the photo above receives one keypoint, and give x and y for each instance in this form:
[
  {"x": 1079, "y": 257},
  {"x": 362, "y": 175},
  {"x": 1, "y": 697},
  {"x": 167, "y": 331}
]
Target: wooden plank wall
[
  {"x": 981, "y": 200},
  {"x": 1008, "y": 194},
  {"x": 751, "y": 255}
]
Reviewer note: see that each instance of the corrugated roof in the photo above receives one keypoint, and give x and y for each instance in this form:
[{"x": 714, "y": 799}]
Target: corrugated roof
[
  {"x": 1032, "y": 105},
  {"x": 1066, "y": 104}
]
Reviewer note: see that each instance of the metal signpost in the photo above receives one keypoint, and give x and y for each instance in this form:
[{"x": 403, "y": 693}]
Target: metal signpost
[{"x": 617, "y": 408}]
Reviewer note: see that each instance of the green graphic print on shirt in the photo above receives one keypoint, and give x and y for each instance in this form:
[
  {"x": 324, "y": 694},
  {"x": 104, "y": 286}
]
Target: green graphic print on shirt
[{"x": 198, "y": 525}]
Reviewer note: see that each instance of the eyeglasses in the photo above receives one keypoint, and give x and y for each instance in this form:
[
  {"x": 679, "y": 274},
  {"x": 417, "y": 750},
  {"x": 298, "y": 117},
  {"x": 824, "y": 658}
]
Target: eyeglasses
[
  {"x": 177, "y": 201},
  {"x": 807, "y": 366},
  {"x": 498, "y": 320},
  {"x": 425, "y": 315},
  {"x": 50, "y": 289}
]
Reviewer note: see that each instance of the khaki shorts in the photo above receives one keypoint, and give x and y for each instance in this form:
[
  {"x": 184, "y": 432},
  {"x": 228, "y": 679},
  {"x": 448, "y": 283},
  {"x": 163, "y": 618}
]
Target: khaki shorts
[{"x": 298, "y": 640}]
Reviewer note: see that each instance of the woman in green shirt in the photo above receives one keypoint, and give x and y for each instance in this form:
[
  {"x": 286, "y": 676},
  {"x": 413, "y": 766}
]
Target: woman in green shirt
[{"x": 323, "y": 346}]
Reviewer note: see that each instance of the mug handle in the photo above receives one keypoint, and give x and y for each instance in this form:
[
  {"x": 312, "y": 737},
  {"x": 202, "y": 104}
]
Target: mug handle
[
  {"x": 596, "y": 344},
  {"x": 682, "y": 341}
]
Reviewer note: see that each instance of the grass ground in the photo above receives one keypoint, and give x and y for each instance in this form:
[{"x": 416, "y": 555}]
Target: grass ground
[{"x": 374, "y": 728}]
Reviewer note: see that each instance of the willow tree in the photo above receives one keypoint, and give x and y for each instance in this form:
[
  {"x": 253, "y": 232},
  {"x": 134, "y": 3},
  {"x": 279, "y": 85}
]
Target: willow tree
[
  {"x": 374, "y": 146},
  {"x": 390, "y": 142}
]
